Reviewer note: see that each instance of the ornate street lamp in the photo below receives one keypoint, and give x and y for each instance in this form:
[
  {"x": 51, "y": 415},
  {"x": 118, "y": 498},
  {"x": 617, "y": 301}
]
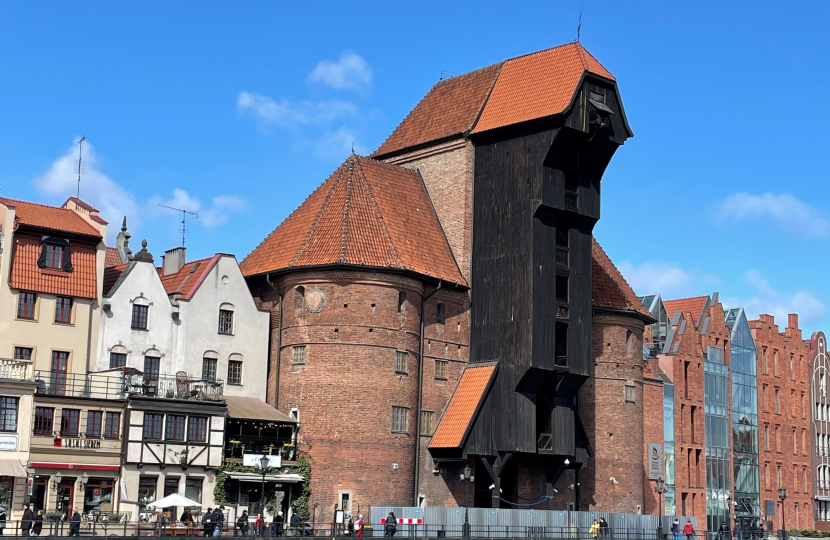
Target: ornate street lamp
[
  {"x": 782, "y": 494},
  {"x": 263, "y": 465},
  {"x": 466, "y": 477},
  {"x": 729, "y": 513},
  {"x": 660, "y": 489}
]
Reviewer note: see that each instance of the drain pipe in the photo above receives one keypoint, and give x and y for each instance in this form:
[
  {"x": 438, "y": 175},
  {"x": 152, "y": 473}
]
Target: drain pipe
[
  {"x": 421, "y": 396},
  {"x": 279, "y": 346}
]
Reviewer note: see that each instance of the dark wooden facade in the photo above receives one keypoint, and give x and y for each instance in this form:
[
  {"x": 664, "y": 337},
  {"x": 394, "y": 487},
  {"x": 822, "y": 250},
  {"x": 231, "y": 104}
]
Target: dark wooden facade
[{"x": 536, "y": 201}]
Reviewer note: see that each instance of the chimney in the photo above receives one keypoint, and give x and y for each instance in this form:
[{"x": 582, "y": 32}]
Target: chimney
[
  {"x": 174, "y": 260},
  {"x": 122, "y": 243}
]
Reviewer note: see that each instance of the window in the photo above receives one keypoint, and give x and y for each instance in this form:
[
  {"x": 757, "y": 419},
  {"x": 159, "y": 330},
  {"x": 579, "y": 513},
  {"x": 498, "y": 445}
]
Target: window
[
  {"x": 777, "y": 403},
  {"x": 400, "y": 420},
  {"x": 792, "y": 403},
  {"x": 561, "y": 344},
  {"x": 151, "y": 369},
  {"x": 60, "y": 365},
  {"x": 562, "y": 248},
  {"x": 112, "y": 425},
  {"x": 804, "y": 478},
  {"x": 629, "y": 394},
  {"x": 225, "y": 321},
  {"x": 775, "y": 362},
  {"x": 93, "y": 424},
  {"x": 8, "y": 414},
  {"x": 146, "y": 491},
  {"x": 298, "y": 354},
  {"x": 571, "y": 190},
  {"x": 70, "y": 420},
  {"x": 441, "y": 369},
  {"x": 764, "y": 397},
  {"x": 175, "y": 427},
  {"x": 234, "y": 372},
  {"x": 777, "y": 440},
  {"x": 792, "y": 371},
  {"x": 766, "y": 438},
  {"x": 54, "y": 256},
  {"x": 802, "y": 405},
  {"x": 795, "y": 443},
  {"x": 43, "y": 420},
  {"x": 22, "y": 353},
  {"x": 426, "y": 422},
  {"x": 26, "y": 305},
  {"x": 766, "y": 475},
  {"x": 193, "y": 488},
  {"x": 400, "y": 361},
  {"x": 197, "y": 429},
  {"x": 152, "y": 425},
  {"x": 118, "y": 360},
  {"x": 562, "y": 289},
  {"x": 764, "y": 360},
  {"x": 440, "y": 314},
  {"x": 778, "y": 475},
  {"x": 63, "y": 310},
  {"x": 139, "y": 321},
  {"x": 209, "y": 369}
]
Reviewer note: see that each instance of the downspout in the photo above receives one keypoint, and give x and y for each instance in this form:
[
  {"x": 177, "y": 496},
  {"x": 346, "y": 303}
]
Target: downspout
[
  {"x": 279, "y": 346},
  {"x": 420, "y": 396}
]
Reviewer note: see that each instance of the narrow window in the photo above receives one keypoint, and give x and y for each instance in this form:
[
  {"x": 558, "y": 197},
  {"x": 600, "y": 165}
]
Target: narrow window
[
  {"x": 8, "y": 414},
  {"x": 400, "y": 420},
  {"x": 153, "y": 423},
  {"x": 440, "y": 315},
  {"x": 22, "y": 353},
  {"x": 400, "y": 361},
  {"x": 93, "y": 424},
  {"x": 777, "y": 440},
  {"x": 775, "y": 362},
  {"x": 60, "y": 366},
  {"x": 630, "y": 394},
  {"x": 63, "y": 310},
  {"x": 562, "y": 248},
  {"x": 112, "y": 425},
  {"x": 209, "y": 369},
  {"x": 426, "y": 422},
  {"x": 54, "y": 256},
  {"x": 401, "y": 302},
  {"x": 571, "y": 190},
  {"x": 197, "y": 429},
  {"x": 70, "y": 420},
  {"x": 778, "y": 475},
  {"x": 562, "y": 288},
  {"x": 299, "y": 297},
  {"x": 766, "y": 438},
  {"x": 792, "y": 371},
  {"x": 226, "y": 322},
  {"x": 117, "y": 360},
  {"x": 152, "y": 366},
  {"x": 777, "y": 403},
  {"x": 26, "y": 305},
  {"x": 298, "y": 354},
  {"x": 561, "y": 344},
  {"x": 795, "y": 444},
  {"x": 234, "y": 372},
  {"x": 441, "y": 369},
  {"x": 44, "y": 417},
  {"x": 764, "y": 360},
  {"x": 764, "y": 397},
  {"x": 175, "y": 427},
  {"x": 139, "y": 321}
]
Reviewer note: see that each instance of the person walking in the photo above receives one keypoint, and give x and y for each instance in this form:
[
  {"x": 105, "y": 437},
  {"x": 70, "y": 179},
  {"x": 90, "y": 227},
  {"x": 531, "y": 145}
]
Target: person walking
[
  {"x": 391, "y": 525},
  {"x": 2, "y": 520},
  {"x": 295, "y": 524},
  {"x": 358, "y": 526},
  {"x": 689, "y": 530},
  {"x": 38, "y": 525},
  {"x": 26, "y": 523},
  {"x": 207, "y": 523},
  {"x": 675, "y": 529},
  {"x": 737, "y": 530},
  {"x": 279, "y": 523},
  {"x": 594, "y": 530},
  {"x": 242, "y": 523},
  {"x": 218, "y": 520},
  {"x": 75, "y": 523},
  {"x": 258, "y": 525},
  {"x": 603, "y": 528}
]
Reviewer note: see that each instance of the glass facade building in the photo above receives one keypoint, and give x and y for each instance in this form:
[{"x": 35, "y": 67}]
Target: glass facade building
[
  {"x": 744, "y": 419},
  {"x": 670, "y": 497},
  {"x": 717, "y": 438}
]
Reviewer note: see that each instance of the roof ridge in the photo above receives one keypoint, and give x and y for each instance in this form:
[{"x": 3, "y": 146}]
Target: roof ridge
[
  {"x": 563, "y": 45},
  {"x": 379, "y": 216},
  {"x": 687, "y": 298},
  {"x": 317, "y": 218},
  {"x": 347, "y": 206}
]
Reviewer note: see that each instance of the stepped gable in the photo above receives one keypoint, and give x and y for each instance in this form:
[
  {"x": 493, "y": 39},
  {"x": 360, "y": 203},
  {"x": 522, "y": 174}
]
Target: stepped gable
[
  {"x": 609, "y": 289},
  {"x": 366, "y": 214},
  {"x": 524, "y": 88}
]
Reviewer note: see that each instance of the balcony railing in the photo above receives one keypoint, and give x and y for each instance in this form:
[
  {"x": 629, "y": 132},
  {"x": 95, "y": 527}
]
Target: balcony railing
[
  {"x": 238, "y": 445},
  {"x": 181, "y": 387},
  {"x": 16, "y": 370}
]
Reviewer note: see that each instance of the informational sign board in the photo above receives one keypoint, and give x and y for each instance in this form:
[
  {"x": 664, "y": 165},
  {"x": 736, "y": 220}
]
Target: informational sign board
[
  {"x": 8, "y": 443},
  {"x": 338, "y": 517},
  {"x": 655, "y": 461},
  {"x": 769, "y": 506},
  {"x": 252, "y": 460}
]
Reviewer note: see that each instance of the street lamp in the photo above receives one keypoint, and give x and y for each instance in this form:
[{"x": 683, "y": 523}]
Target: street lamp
[
  {"x": 263, "y": 464},
  {"x": 782, "y": 494},
  {"x": 85, "y": 478},
  {"x": 729, "y": 513},
  {"x": 466, "y": 477},
  {"x": 660, "y": 489}
]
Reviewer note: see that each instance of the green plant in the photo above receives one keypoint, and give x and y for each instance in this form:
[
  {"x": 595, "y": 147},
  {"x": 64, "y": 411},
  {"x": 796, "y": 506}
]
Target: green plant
[{"x": 300, "y": 500}]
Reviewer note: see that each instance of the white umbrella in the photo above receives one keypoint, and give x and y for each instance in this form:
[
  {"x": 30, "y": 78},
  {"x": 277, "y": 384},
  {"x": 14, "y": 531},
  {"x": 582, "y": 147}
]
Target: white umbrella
[{"x": 173, "y": 500}]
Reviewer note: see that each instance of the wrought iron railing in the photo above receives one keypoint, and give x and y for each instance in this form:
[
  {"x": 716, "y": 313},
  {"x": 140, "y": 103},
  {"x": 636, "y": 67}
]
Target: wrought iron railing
[
  {"x": 91, "y": 385},
  {"x": 238, "y": 445}
]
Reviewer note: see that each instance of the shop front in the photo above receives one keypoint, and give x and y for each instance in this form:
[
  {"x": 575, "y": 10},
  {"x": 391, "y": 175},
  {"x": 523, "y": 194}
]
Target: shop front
[{"x": 57, "y": 488}]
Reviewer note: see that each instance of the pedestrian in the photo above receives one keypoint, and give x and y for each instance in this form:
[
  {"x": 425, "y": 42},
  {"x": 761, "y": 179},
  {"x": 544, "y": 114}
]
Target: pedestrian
[
  {"x": 594, "y": 530},
  {"x": 358, "y": 526},
  {"x": 603, "y": 528},
  {"x": 689, "y": 530},
  {"x": 675, "y": 529},
  {"x": 2, "y": 520},
  {"x": 75, "y": 523},
  {"x": 187, "y": 517},
  {"x": 218, "y": 520},
  {"x": 722, "y": 534},
  {"x": 258, "y": 524},
  {"x": 279, "y": 523},
  {"x": 26, "y": 523},
  {"x": 349, "y": 525},
  {"x": 737, "y": 530},
  {"x": 391, "y": 525},
  {"x": 38, "y": 526},
  {"x": 295, "y": 524},
  {"x": 207, "y": 523}
]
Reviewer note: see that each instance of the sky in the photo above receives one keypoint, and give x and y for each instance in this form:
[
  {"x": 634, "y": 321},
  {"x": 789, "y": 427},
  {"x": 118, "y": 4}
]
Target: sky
[{"x": 240, "y": 110}]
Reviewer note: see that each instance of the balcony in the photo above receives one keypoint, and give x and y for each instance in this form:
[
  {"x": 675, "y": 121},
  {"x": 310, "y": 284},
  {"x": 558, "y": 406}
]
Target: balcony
[
  {"x": 128, "y": 384},
  {"x": 15, "y": 370},
  {"x": 238, "y": 445}
]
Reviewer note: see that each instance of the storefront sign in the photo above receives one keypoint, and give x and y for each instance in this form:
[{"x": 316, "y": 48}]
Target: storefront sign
[
  {"x": 84, "y": 444},
  {"x": 8, "y": 442},
  {"x": 252, "y": 460},
  {"x": 655, "y": 461}
]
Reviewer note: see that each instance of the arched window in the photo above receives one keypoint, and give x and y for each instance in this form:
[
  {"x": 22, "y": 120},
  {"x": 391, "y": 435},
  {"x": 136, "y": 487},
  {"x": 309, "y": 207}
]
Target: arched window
[
  {"x": 235, "y": 369},
  {"x": 299, "y": 297},
  {"x": 226, "y": 319},
  {"x": 210, "y": 359},
  {"x": 141, "y": 308},
  {"x": 401, "y": 302},
  {"x": 118, "y": 357}
]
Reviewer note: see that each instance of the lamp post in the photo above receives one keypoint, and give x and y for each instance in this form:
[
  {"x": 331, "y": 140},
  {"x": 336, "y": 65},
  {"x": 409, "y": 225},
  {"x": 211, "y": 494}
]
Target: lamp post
[
  {"x": 660, "y": 489},
  {"x": 466, "y": 477},
  {"x": 263, "y": 464},
  {"x": 782, "y": 494},
  {"x": 729, "y": 514}
]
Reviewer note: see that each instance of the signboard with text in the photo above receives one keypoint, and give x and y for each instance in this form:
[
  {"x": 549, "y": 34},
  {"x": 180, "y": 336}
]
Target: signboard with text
[
  {"x": 8, "y": 443},
  {"x": 655, "y": 461},
  {"x": 252, "y": 460}
]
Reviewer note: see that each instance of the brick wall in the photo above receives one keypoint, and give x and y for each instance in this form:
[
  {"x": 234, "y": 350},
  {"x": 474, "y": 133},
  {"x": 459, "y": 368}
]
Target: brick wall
[{"x": 652, "y": 433}]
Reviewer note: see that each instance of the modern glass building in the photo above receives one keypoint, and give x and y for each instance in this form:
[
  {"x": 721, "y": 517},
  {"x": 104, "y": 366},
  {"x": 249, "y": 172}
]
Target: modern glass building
[
  {"x": 670, "y": 497},
  {"x": 744, "y": 419},
  {"x": 717, "y": 438}
]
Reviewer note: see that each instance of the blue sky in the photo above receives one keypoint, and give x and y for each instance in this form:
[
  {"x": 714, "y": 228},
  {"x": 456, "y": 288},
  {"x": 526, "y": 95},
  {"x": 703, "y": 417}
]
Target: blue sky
[{"x": 240, "y": 110}]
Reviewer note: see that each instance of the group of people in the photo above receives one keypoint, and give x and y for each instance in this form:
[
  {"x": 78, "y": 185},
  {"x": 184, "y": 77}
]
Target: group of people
[
  {"x": 688, "y": 529},
  {"x": 277, "y": 528},
  {"x": 32, "y": 523},
  {"x": 599, "y": 528}
]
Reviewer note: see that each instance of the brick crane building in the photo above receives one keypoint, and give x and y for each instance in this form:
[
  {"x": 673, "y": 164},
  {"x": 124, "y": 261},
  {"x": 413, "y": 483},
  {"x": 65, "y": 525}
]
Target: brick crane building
[{"x": 443, "y": 304}]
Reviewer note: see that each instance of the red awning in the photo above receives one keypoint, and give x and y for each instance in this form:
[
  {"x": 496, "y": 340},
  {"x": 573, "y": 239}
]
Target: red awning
[{"x": 81, "y": 466}]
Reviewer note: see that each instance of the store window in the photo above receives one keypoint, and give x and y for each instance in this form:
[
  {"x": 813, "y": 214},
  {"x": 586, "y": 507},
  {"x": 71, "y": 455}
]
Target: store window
[
  {"x": 146, "y": 491},
  {"x": 193, "y": 488},
  {"x": 6, "y": 491},
  {"x": 98, "y": 495}
]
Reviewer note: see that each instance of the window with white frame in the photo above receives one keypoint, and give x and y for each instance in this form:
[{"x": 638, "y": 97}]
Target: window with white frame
[{"x": 226, "y": 319}]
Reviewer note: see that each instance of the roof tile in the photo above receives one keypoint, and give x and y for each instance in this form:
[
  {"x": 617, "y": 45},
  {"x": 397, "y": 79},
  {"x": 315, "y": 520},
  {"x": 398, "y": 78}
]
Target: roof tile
[
  {"x": 113, "y": 258},
  {"x": 188, "y": 279},
  {"x": 111, "y": 275},
  {"x": 25, "y": 275},
  {"x": 462, "y": 406},
  {"x": 50, "y": 218},
  {"x": 687, "y": 305},
  {"x": 609, "y": 288}
]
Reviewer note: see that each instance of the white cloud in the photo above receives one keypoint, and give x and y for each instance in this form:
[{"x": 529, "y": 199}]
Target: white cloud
[
  {"x": 668, "y": 280},
  {"x": 770, "y": 301},
  {"x": 61, "y": 182},
  {"x": 336, "y": 145},
  {"x": 289, "y": 114},
  {"x": 784, "y": 210},
  {"x": 216, "y": 214},
  {"x": 350, "y": 72}
]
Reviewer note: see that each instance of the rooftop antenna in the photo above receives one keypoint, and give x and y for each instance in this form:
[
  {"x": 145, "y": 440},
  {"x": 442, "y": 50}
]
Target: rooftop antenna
[
  {"x": 579, "y": 26},
  {"x": 80, "y": 159},
  {"x": 441, "y": 78},
  {"x": 184, "y": 218}
]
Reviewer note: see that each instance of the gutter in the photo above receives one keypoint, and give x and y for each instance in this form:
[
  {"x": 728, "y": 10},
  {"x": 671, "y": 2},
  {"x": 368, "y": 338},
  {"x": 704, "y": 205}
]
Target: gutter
[
  {"x": 279, "y": 346},
  {"x": 417, "y": 475}
]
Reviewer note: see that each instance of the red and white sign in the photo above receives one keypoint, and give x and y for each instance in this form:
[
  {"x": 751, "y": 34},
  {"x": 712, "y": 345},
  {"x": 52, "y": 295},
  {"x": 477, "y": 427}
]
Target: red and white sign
[{"x": 406, "y": 521}]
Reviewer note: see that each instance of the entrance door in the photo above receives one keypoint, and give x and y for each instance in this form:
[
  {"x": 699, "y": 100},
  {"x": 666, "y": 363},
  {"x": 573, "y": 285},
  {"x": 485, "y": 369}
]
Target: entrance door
[{"x": 66, "y": 494}]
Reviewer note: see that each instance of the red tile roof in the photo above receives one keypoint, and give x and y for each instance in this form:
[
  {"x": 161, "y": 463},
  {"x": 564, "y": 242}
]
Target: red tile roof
[
  {"x": 463, "y": 405},
  {"x": 525, "y": 88},
  {"x": 113, "y": 258},
  {"x": 367, "y": 213},
  {"x": 687, "y": 305},
  {"x": 111, "y": 275},
  {"x": 25, "y": 275},
  {"x": 450, "y": 108},
  {"x": 50, "y": 218},
  {"x": 609, "y": 288},
  {"x": 187, "y": 280}
]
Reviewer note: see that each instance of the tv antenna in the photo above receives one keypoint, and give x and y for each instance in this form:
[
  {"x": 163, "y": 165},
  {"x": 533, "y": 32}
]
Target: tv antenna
[
  {"x": 184, "y": 212},
  {"x": 441, "y": 78},
  {"x": 579, "y": 26},
  {"x": 80, "y": 160}
]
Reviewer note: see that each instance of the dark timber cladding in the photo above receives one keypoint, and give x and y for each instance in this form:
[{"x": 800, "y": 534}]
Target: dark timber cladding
[{"x": 537, "y": 199}]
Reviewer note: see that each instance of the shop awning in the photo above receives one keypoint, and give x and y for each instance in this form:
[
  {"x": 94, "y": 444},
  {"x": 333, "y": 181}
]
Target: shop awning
[
  {"x": 79, "y": 466},
  {"x": 12, "y": 467},
  {"x": 249, "y": 408},
  {"x": 278, "y": 478}
]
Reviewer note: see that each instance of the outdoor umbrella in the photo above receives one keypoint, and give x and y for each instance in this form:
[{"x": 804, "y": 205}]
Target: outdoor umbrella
[{"x": 173, "y": 500}]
